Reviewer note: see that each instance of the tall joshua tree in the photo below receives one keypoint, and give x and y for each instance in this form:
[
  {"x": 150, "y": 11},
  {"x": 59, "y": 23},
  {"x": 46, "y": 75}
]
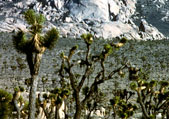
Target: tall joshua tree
[
  {"x": 89, "y": 63},
  {"x": 33, "y": 44}
]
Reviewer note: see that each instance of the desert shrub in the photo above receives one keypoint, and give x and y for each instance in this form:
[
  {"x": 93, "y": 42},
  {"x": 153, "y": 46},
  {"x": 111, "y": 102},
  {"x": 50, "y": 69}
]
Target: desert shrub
[{"x": 5, "y": 104}]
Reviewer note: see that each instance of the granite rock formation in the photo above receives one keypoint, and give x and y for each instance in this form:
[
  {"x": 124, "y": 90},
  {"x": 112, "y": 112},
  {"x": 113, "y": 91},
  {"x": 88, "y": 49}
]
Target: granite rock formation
[{"x": 105, "y": 19}]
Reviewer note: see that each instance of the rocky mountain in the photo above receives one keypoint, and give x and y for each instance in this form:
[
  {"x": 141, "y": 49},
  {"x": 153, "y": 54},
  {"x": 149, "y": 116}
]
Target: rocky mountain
[
  {"x": 102, "y": 18},
  {"x": 155, "y": 12}
]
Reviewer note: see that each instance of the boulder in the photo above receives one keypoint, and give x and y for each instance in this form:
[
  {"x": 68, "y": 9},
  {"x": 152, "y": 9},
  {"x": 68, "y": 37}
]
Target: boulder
[
  {"x": 68, "y": 19},
  {"x": 114, "y": 8},
  {"x": 58, "y": 4},
  {"x": 87, "y": 10},
  {"x": 114, "y": 29},
  {"x": 147, "y": 31}
]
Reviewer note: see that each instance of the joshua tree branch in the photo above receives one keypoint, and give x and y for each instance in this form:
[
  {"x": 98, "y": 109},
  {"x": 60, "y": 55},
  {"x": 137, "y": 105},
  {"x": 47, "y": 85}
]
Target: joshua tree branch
[
  {"x": 162, "y": 105},
  {"x": 142, "y": 105},
  {"x": 103, "y": 69},
  {"x": 91, "y": 91},
  {"x": 29, "y": 57},
  {"x": 87, "y": 71},
  {"x": 86, "y": 74},
  {"x": 45, "y": 111},
  {"x": 37, "y": 61},
  {"x": 97, "y": 82}
]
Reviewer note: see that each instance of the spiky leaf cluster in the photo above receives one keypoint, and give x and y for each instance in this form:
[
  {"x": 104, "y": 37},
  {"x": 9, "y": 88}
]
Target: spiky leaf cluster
[
  {"x": 35, "y": 42},
  {"x": 133, "y": 73},
  {"x": 108, "y": 48},
  {"x": 50, "y": 38},
  {"x": 72, "y": 51},
  {"x": 57, "y": 95},
  {"x": 5, "y": 100},
  {"x": 30, "y": 17},
  {"x": 123, "y": 40},
  {"x": 88, "y": 38},
  {"x": 115, "y": 100},
  {"x": 85, "y": 90},
  {"x": 120, "y": 43},
  {"x": 19, "y": 89},
  {"x": 124, "y": 109},
  {"x": 34, "y": 20},
  {"x": 20, "y": 42}
]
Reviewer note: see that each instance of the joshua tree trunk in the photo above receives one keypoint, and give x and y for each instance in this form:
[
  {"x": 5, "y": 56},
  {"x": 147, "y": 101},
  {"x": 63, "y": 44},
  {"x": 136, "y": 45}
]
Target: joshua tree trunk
[
  {"x": 78, "y": 112},
  {"x": 34, "y": 83},
  {"x": 32, "y": 97},
  {"x": 78, "y": 106},
  {"x": 57, "y": 112},
  {"x": 168, "y": 112}
]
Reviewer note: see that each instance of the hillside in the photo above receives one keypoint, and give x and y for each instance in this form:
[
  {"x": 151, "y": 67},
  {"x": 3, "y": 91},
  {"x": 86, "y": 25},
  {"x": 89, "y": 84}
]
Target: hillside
[{"x": 14, "y": 69}]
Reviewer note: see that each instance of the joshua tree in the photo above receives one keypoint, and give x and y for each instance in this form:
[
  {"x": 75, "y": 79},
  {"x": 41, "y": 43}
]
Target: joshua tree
[
  {"x": 77, "y": 80},
  {"x": 153, "y": 96},
  {"x": 33, "y": 44}
]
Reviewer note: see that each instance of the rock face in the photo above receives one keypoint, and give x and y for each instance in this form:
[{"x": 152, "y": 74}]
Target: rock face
[
  {"x": 107, "y": 19},
  {"x": 146, "y": 29},
  {"x": 154, "y": 12}
]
